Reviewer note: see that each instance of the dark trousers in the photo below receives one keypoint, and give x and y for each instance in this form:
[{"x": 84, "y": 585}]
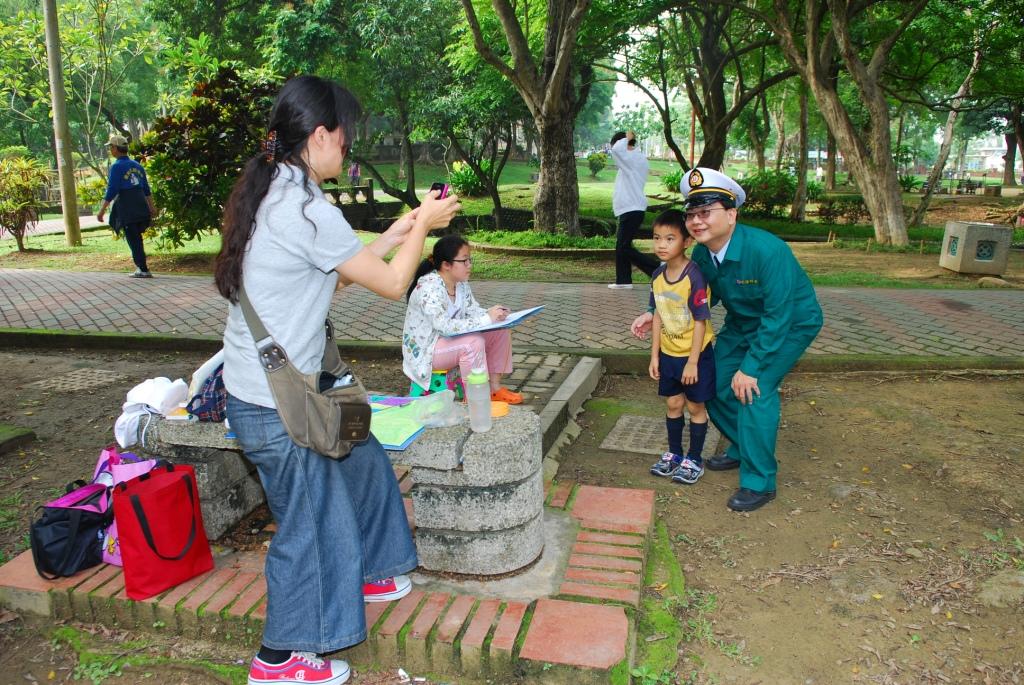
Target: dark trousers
[
  {"x": 133, "y": 236},
  {"x": 627, "y": 255}
]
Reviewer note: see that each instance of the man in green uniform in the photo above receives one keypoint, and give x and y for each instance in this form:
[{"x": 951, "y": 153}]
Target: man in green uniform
[{"x": 772, "y": 315}]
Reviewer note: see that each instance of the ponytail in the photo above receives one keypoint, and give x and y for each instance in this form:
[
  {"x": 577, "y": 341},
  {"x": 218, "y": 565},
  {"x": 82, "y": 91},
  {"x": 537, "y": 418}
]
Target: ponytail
[{"x": 425, "y": 267}]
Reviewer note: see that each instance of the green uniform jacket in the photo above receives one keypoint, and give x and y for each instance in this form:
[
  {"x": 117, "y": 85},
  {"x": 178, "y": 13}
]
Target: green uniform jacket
[{"x": 767, "y": 295}]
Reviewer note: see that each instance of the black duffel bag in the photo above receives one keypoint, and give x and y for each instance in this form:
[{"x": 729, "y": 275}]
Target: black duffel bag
[{"x": 68, "y": 536}]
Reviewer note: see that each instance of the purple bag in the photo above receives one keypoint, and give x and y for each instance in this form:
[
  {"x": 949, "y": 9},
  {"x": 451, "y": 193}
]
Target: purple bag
[{"x": 121, "y": 473}]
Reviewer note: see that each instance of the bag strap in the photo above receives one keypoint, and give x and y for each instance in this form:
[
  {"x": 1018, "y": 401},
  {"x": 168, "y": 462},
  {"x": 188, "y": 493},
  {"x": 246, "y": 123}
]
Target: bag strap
[
  {"x": 75, "y": 520},
  {"x": 147, "y": 531},
  {"x": 272, "y": 356}
]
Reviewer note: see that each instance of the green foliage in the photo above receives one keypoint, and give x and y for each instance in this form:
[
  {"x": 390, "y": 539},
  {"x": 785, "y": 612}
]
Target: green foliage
[
  {"x": 648, "y": 676},
  {"x": 540, "y": 240},
  {"x": 596, "y": 161},
  {"x": 20, "y": 181},
  {"x": 90, "y": 191},
  {"x": 194, "y": 155},
  {"x": 815, "y": 190},
  {"x": 14, "y": 151},
  {"x": 848, "y": 208},
  {"x": 465, "y": 180},
  {"x": 768, "y": 192},
  {"x": 672, "y": 180},
  {"x": 909, "y": 183}
]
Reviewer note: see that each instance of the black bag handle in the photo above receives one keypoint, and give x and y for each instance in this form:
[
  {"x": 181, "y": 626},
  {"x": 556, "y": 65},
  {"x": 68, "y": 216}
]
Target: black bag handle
[
  {"x": 75, "y": 520},
  {"x": 148, "y": 533}
]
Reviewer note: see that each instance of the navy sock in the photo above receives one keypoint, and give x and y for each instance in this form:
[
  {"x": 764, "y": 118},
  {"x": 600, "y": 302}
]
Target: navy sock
[
  {"x": 274, "y": 656},
  {"x": 675, "y": 434},
  {"x": 698, "y": 432}
]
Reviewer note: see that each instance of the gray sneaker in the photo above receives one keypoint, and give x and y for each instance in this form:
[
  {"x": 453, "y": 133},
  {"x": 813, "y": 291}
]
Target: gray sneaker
[
  {"x": 139, "y": 273},
  {"x": 688, "y": 472}
]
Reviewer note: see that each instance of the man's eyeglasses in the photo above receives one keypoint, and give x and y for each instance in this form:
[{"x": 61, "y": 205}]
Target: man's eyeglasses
[
  {"x": 704, "y": 213},
  {"x": 467, "y": 260}
]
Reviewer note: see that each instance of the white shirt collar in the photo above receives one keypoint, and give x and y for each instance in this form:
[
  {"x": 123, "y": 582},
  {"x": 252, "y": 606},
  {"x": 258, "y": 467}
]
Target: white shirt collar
[{"x": 720, "y": 255}]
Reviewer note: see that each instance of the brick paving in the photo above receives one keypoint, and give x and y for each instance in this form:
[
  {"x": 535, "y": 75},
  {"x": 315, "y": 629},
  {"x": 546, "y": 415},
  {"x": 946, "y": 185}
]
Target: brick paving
[
  {"x": 577, "y": 316},
  {"x": 584, "y": 626}
]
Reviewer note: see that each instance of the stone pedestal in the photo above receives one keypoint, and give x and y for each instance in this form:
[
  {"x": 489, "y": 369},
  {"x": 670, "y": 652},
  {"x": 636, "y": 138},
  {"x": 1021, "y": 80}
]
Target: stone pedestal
[
  {"x": 478, "y": 498},
  {"x": 229, "y": 487},
  {"x": 975, "y": 248}
]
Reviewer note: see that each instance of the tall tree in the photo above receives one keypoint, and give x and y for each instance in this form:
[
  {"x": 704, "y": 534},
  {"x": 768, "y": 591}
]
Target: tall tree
[
  {"x": 813, "y": 33},
  {"x": 553, "y": 71}
]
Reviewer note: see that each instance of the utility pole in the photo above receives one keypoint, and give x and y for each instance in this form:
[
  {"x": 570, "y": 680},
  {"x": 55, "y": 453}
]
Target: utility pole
[{"x": 61, "y": 132}]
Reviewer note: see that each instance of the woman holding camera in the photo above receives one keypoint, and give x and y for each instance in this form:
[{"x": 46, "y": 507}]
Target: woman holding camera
[{"x": 342, "y": 536}]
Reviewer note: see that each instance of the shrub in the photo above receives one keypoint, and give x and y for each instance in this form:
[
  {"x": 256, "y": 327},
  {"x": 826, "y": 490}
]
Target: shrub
[
  {"x": 849, "y": 208},
  {"x": 910, "y": 183},
  {"x": 14, "y": 151},
  {"x": 596, "y": 161},
  {"x": 194, "y": 155},
  {"x": 815, "y": 190},
  {"x": 20, "y": 181},
  {"x": 466, "y": 182},
  {"x": 768, "y": 192},
  {"x": 671, "y": 180},
  {"x": 90, "y": 191}
]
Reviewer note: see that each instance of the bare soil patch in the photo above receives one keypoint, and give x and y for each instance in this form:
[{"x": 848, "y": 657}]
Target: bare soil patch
[{"x": 899, "y": 515}]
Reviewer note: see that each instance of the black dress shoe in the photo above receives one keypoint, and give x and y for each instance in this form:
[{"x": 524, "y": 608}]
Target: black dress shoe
[
  {"x": 721, "y": 462},
  {"x": 745, "y": 499}
]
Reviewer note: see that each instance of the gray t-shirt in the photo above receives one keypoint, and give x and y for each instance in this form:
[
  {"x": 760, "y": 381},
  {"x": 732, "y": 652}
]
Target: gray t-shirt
[{"x": 288, "y": 273}]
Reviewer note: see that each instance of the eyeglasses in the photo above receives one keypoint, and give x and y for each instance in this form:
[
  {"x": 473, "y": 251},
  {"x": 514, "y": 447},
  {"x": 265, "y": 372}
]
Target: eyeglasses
[
  {"x": 467, "y": 260},
  {"x": 703, "y": 213}
]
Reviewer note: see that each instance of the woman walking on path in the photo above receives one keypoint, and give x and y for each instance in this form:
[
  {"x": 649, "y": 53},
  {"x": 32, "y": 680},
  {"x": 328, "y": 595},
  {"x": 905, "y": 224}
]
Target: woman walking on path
[{"x": 342, "y": 535}]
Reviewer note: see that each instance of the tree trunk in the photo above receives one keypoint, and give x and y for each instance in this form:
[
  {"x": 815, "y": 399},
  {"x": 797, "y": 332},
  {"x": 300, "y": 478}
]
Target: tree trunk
[
  {"x": 830, "y": 162},
  {"x": 799, "y": 209},
  {"x": 557, "y": 199},
  {"x": 780, "y": 127},
  {"x": 1010, "y": 160},
  {"x": 715, "y": 143}
]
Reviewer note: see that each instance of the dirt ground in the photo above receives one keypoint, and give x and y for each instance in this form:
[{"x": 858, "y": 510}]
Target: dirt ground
[
  {"x": 897, "y": 525},
  {"x": 892, "y": 553}
]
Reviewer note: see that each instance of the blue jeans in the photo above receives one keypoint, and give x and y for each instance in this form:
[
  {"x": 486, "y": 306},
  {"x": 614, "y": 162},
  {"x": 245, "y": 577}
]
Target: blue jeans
[{"x": 340, "y": 523}]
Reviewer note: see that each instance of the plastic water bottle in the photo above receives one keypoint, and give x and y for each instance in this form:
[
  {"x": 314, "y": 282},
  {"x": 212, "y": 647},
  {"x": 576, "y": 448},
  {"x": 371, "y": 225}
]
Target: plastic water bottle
[{"x": 478, "y": 397}]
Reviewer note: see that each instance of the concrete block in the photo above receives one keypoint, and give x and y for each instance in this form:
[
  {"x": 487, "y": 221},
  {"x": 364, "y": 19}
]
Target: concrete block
[
  {"x": 224, "y": 508},
  {"x": 489, "y": 553},
  {"x": 497, "y": 507},
  {"x": 580, "y": 384},
  {"x": 435, "y": 448},
  {"x": 975, "y": 248},
  {"x": 186, "y": 433}
]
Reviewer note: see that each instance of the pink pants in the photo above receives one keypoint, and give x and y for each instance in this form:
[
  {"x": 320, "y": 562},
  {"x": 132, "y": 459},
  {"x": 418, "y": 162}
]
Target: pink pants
[{"x": 491, "y": 350}]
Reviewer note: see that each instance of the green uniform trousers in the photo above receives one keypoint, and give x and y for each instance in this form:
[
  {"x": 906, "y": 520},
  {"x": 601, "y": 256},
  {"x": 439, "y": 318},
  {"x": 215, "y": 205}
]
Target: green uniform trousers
[{"x": 752, "y": 428}]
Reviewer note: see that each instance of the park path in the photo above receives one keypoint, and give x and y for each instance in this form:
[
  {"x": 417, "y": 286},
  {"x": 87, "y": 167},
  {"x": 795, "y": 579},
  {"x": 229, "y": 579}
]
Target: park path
[{"x": 577, "y": 316}]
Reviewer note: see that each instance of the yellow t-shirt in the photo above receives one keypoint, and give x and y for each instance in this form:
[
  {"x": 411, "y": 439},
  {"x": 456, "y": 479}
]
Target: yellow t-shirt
[{"x": 680, "y": 304}]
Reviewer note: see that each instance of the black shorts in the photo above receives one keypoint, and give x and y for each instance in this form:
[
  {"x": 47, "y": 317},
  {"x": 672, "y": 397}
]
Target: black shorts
[{"x": 671, "y": 382}]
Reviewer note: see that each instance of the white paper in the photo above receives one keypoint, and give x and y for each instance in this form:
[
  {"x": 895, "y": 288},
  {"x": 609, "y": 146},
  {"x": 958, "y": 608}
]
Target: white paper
[{"x": 510, "y": 320}]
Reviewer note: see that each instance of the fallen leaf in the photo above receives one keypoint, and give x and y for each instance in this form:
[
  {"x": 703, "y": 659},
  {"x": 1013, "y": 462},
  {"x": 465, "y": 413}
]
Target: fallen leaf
[{"x": 876, "y": 596}]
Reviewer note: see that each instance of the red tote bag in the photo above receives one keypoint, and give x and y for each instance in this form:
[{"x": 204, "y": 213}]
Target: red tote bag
[{"x": 160, "y": 529}]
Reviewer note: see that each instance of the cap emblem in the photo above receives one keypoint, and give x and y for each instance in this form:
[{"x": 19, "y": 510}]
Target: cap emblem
[{"x": 696, "y": 179}]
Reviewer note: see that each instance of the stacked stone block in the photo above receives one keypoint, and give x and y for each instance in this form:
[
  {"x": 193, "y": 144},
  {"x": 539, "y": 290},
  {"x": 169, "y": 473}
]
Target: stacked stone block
[{"x": 478, "y": 498}]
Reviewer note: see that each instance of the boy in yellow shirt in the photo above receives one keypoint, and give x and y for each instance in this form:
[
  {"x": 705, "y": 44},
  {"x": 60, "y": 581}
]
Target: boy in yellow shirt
[{"x": 682, "y": 357}]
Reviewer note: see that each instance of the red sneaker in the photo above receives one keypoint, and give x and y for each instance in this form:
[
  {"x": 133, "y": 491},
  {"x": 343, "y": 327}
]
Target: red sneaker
[
  {"x": 387, "y": 589},
  {"x": 302, "y": 667}
]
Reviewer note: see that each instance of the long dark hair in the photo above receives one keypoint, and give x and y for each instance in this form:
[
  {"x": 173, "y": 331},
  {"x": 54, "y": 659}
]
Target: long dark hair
[
  {"x": 304, "y": 103},
  {"x": 445, "y": 250}
]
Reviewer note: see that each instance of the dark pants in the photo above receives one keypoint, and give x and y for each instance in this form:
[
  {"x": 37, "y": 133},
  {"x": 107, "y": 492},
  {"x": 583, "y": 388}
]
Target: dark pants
[
  {"x": 133, "y": 236},
  {"x": 626, "y": 254}
]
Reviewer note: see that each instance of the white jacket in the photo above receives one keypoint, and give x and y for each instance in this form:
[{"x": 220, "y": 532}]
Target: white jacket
[
  {"x": 427, "y": 318},
  {"x": 628, "y": 195}
]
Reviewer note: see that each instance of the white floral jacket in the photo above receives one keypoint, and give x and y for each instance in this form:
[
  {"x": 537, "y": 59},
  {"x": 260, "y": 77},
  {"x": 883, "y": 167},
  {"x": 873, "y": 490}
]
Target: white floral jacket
[{"x": 427, "y": 319}]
